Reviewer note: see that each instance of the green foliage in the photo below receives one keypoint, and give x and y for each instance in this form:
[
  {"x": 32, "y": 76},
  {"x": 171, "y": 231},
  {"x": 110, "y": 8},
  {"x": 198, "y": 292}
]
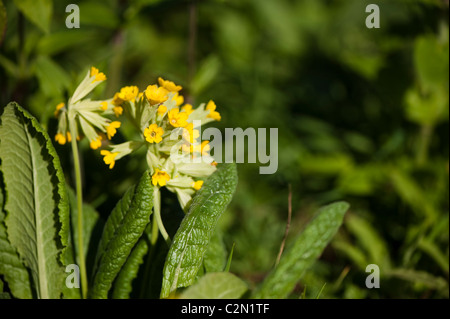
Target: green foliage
[
  {"x": 308, "y": 246},
  {"x": 15, "y": 273},
  {"x": 35, "y": 195},
  {"x": 218, "y": 285},
  {"x": 192, "y": 238},
  {"x": 38, "y": 12},
  {"x": 362, "y": 116},
  {"x": 124, "y": 227}
]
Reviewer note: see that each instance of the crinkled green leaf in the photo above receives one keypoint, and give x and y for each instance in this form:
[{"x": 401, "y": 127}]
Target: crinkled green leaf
[
  {"x": 123, "y": 283},
  {"x": 216, "y": 255},
  {"x": 37, "y": 216},
  {"x": 124, "y": 227},
  {"x": 39, "y": 12},
  {"x": 14, "y": 272},
  {"x": 302, "y": 254},
  {"x": 191, "y": 241},
  {"x": 219, "y": 285}
]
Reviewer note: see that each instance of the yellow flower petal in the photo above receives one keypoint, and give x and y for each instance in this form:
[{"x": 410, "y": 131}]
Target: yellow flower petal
[
  {"x": 111, "y": 130},
  {"x": 169, "y": 85},
  {"x": 153, "y": 134},
  {"x": 197, "y": 185},
  {"x": 156, "y": 95},
  {"x": 160, "y": 177}
]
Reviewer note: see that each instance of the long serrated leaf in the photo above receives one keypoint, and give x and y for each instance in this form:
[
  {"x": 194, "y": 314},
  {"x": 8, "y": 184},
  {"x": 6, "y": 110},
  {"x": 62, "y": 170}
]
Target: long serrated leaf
[
  {"x": 37, "y": 217},
  {"x": 189, "y": 245},
  {"x": 123, "y": 283},
  {"x": 219, "y": 285},
  {"x": 12, "y": 269},
  {"x": 124, "y": 227},
  {"x": 303, "y": 253}
]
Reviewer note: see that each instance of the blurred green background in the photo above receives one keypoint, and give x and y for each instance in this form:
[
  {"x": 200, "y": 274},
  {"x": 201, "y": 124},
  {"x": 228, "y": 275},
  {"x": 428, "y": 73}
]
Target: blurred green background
[{"x": 362, "y": 116}]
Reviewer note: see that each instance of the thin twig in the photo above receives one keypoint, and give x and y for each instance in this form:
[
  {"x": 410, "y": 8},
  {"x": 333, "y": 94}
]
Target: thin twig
[{"x": 288, "y": 224}]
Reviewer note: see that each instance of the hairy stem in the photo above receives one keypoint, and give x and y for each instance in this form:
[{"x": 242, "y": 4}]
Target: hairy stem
[{"x": 79, "y": 191}]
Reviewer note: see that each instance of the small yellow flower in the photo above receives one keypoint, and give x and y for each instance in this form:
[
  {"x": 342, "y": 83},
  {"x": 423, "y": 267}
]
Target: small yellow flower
[
  {"x": 69, "y": 137},
  {"x": 118, "y": 110},
  {"x": 109, "y": 158},
  {"x": 128, "y": 93},
  {"x": 187, "y": 108},
  {"x": 117, "y": 101},
  {"x": 177, "y": 119},
  {"x": 189, "y": 134},
  {"x": 162, "y": 109},
  {"x": 104, "y": 106},
  {"x": 160, "y": 177},
  {"x": 58, "y": 108},
  {"x": 205, "y": 148},
  {"x": 99, "y": 76},
  {"x": 211, "y": 107},
  {"x": 96, "y": 143},
  {"x": 60, "y": 138},
  {"x": 111, "y": 130},
  {"x": 156, "y": 95},
  {"x": 179, "y": 99},
  {"x": 169, "y": 85},
  {"x": 197, "y": 185},
  {"x": 214, "y": 164},
  {"x": 153, "y": 134}
]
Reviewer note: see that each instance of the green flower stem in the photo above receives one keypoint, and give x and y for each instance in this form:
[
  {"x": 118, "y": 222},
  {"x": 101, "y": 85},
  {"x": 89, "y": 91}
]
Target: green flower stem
[
  {"x": 79, "y": 191},
  {"x": 157, "y": 217}
]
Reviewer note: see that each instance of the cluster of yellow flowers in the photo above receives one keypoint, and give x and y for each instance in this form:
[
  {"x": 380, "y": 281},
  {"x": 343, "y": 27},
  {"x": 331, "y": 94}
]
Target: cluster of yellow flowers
[{"x": 159, "y": 114}]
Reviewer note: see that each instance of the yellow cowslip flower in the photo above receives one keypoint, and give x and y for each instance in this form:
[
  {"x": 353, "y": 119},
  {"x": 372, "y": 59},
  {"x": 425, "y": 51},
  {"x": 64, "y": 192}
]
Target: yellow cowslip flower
[
  {"x": 111, "y": 129},
  {"x": 214, "y": 164},
  {"x": 205, "y": 148},
  {"x": 179, "y": 99},
  {"x": 109, "y": 158},
  {"x": 197, "y": 185},
  {"x": 177, "y": 118},
  {"x": 69, "y": 137},
  {"x": 118, "y": 110},
  {"x": 104, "y": 106},
  {"x": 156, "y": 95},
  {"x": 160, "y": 177},
  {"x": 153, "y": 134},
  {"x": 128, "y": 93},
  {"x": 211, "y": 107},
  {"x": 117, "y": 101},
  {"x": 96, "y": 143},
  {"x": 60, "y": 138},
  {"x": 169, "y": 85},
  {"x": 58, "y": 108},
  {"x": 99, "y": 76},
  {"x": 189, "y": 134},
  {"x": 187, "y": 108},
  {"x": 162, "y": 109}
]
